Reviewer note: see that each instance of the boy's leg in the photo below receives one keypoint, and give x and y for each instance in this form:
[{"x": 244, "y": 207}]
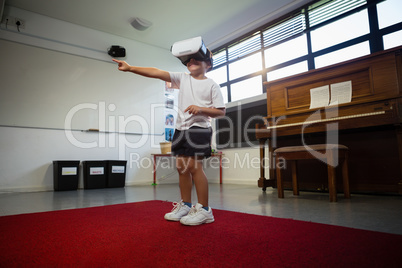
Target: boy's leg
[
  {"x": 200, "y": 181},
  {"x": 182, "y": 208},
  {"x": 191, "y": 169},
  {"x": 185, "y": 180},
  {"x": 201, "y": 212}
]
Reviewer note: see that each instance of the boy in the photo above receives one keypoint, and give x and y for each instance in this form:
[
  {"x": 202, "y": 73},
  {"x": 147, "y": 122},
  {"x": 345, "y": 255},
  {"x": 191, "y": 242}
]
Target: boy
[{"x": 200, "y": 99}]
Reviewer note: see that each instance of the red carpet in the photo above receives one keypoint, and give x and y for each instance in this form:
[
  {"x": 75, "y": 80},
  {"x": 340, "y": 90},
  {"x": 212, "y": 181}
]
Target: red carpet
[{"x": 136, "y": 235}]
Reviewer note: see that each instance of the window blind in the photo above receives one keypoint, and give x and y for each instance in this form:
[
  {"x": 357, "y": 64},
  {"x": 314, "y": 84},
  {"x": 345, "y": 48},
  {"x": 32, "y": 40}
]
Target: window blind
[
  {"x": 219, "y": 57},
  {"x": 285, "y": 29},
  {"x": 288, "y": 28},
  {"x": 245, "y": 46},
  {"x": 328, "y": 9}
]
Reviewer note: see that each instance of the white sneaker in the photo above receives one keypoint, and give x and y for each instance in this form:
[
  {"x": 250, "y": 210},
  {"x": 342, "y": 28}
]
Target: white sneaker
[
  {"x": 179, "y": 210},
  {"x": 197, "y": 216}
]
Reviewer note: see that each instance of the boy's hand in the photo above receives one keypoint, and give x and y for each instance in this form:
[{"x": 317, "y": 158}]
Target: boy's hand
[
  {"x": 206, "y": 111},
  {"x": 193, "y": 109},
  {"x": 123, "y": 66}
]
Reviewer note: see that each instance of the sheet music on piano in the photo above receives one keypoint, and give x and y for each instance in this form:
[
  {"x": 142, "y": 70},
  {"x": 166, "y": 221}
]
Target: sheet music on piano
[
  {"x": 319, "y": 97},
  {"x": 329, "y": 95},
  {"x": 341, "y": 93}
]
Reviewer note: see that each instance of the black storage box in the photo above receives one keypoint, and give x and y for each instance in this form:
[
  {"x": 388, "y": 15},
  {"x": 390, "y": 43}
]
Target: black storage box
[
  {"x": 65, "y": 175},
  {"x": 94, "y": 174},
  {"x": 116, "y": 173}
]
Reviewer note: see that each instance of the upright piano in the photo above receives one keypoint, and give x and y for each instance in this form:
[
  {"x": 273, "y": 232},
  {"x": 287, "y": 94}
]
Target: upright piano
[{"x": 369, "y": 123}]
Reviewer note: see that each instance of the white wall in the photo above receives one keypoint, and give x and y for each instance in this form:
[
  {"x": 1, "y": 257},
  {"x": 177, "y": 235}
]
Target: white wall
[{"x": 26, "y": 154}]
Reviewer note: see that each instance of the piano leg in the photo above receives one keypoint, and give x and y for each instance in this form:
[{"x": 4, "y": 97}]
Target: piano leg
[
  {"x": 345, "y": 175},
  {"x": 263, "y": 182},
  {"x": 295, "y": 184},
  {"x": 399, "y": 135},
  {"x": 331, "y": 177}
]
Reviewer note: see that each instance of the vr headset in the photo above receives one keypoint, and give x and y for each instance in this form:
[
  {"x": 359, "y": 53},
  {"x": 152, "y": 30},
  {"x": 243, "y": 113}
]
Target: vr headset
[{"x": 193, "y": 48}]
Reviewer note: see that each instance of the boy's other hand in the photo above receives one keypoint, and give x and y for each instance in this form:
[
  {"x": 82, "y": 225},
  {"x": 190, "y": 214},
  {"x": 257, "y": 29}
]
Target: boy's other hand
[
  {"x": 193, "y": 109},
  {"x": 123, "y": 66}
]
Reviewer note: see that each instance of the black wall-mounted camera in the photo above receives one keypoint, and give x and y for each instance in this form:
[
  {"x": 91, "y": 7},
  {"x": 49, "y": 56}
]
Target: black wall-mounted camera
[{"x": 116, "y": 51}]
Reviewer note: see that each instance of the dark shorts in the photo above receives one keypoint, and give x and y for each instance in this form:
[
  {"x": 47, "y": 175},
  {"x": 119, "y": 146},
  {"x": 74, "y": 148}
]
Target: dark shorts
[{"x": 195, "y": 141}]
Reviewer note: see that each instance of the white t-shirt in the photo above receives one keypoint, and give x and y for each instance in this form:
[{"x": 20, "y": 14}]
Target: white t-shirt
[{"x": 203, "y": 93}]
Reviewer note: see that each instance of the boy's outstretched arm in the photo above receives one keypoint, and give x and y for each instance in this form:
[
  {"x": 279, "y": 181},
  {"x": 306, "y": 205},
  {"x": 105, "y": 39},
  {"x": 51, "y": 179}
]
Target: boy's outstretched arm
[{"x": 144, "y": 71}]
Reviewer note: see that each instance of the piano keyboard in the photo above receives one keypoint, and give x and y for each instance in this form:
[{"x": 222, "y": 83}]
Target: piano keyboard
[{"x": 326, "y": 120}]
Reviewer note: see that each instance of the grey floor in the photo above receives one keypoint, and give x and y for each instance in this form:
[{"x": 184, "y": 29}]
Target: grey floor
[{"x": 369, "y": 212}]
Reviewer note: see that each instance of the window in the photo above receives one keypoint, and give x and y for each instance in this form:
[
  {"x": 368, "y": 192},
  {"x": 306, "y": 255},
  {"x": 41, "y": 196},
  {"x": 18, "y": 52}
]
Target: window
[
  {"x": 286, "y": 51},
  {"x": 224, "y": 91},
  {"x": 288, "y": 71},
  {"x": 245, "y": 66},
  {"x": 340, "y": 31},
  {"x": 247, "y": 88},
  {"x": 316, "y": 35},
  {"x": 389, "y": 13},
  {"x": 392, "y": 40},
  {"x": 342, "y": 55},
  {"x": 218, "y": 75}
]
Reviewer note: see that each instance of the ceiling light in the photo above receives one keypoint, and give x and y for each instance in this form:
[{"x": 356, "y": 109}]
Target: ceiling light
[{"x": 141, "y": 24}]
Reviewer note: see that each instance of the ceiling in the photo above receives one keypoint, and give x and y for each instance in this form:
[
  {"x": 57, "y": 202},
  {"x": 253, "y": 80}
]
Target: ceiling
[{"x": 217, "y": 21}]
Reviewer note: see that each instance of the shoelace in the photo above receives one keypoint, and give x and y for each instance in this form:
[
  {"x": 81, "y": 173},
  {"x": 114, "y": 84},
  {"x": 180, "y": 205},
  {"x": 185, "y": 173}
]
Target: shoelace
[
  {"x": 177, "y": 206},
  {"x": 193, "y": 211}
]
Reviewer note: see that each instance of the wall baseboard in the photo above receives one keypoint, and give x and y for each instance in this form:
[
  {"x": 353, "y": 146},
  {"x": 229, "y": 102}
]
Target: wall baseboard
[{"x": 128, "y": 184}]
